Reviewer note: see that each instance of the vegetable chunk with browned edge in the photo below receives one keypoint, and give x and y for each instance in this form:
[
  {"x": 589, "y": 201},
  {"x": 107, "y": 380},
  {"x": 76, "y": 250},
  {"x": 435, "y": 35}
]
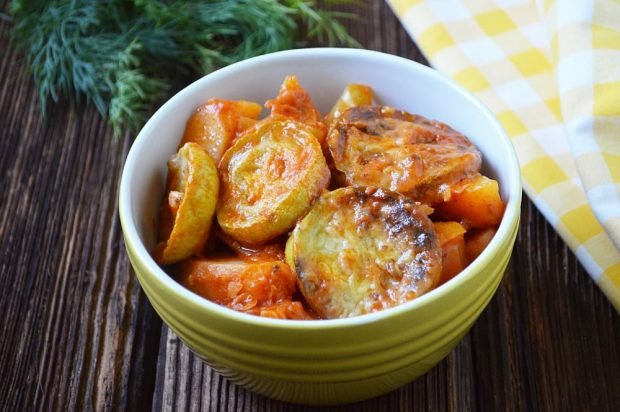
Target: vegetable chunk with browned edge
[
  {"x": 361, "y": 250},
  {"x": 354, "y": 95},
  {"x": 399, "y": 151}
]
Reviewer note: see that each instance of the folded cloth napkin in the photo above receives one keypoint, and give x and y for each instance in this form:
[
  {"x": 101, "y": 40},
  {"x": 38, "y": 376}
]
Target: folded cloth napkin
[{"x": 550, "y": 71}]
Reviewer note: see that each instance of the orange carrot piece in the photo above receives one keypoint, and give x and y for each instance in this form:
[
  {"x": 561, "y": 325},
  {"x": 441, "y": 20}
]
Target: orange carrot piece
[
  {"x": 475, "y": 202},
  {"x": 477, "y": 240},
  {"x": 452, "y": 241},
  {"x": 237, "y": 284},
  {"x": 454, "y": 260},
  {"x": 262, "y": 288},
  {"x": 216, "y": 123}
]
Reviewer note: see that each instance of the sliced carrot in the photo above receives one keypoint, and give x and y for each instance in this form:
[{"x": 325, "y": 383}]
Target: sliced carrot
[
  {"x": 454, "y": 259},
  {"x": 238, "y": 284},
  {"x": 452, "y": 241},
  {"x": 216, "y": 123},
  {"x": 294, "y": 103},
  {"x": 263, "y": 288}
]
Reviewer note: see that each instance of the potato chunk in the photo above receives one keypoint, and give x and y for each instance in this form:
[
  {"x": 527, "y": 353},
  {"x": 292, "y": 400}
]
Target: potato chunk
[
  {"x": 269, "y": 177},
  {"x": 188, "y": 209},
  {"x": 361, "y": 250},
  {"x": 402, "y": 152},
  {"x": 215, "y": 124}
]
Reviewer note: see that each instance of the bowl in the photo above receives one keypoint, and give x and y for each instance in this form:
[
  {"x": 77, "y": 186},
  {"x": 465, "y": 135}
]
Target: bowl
[{"x": 324, "y": 361}]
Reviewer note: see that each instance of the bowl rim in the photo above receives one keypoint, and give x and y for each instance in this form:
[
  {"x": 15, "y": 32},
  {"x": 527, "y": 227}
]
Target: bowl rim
[{"x": 133, "y": 241}]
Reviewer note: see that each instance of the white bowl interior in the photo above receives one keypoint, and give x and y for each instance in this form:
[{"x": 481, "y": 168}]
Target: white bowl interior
[{"x": 397, "y": 82}]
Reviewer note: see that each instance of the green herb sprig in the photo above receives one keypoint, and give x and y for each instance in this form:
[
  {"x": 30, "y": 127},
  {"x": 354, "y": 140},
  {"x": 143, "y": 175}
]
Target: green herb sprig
[{"x": 121, "y": 55}]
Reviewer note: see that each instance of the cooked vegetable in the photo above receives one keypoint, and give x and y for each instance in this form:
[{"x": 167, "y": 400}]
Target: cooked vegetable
[
  {"x": 269, "y": 177},
  {"x": 360, "y": 250},
  {"x": 271, "y": 251},
  {"x": 354, "y": 95},
  {"x": 402, "y": 152},
  {"x": 188, "y": 208},
  {"x": 448, "y": 231},
  {"x": 247, "y": 287},
  {"x": 215, "y": 124},
  {"x": 475, "y": 202},
  {"x": 477, "y": 240},
  {"x": 452, "y": 242},
  {"x": 285, "y": 309},
  {"x": 294, "y": 103}
]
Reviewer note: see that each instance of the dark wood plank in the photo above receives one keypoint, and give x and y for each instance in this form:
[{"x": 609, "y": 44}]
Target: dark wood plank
[{"x": 77, "y": 332}]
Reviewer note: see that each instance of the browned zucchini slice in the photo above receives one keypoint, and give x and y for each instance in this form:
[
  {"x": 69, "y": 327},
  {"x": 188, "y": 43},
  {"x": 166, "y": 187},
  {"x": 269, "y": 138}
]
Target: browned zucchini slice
[
  {"x": 361, "y": 250},
  {"x": 399, "y": 151}
]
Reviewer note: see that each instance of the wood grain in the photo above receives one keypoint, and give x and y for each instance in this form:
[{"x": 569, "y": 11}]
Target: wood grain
[{"x": 78, "y": 334}]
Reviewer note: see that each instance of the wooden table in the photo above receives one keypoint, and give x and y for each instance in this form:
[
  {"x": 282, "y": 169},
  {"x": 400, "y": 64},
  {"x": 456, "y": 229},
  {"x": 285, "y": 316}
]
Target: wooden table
[{"x": 79, "y": 334}]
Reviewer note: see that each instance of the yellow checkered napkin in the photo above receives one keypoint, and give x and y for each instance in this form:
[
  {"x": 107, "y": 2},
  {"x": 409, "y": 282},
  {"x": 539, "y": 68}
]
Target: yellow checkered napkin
[{"x": 550, "y": 71}]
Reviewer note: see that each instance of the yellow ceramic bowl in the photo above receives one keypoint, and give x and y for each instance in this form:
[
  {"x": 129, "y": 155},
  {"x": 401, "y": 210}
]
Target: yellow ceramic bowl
[{"x": 327, "y": 361}]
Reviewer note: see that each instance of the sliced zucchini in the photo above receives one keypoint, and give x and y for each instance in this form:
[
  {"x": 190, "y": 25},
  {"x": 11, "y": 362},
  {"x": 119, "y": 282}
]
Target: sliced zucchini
[
  {"x": 361, "y": 250},
  {"x": 402, "y": 152},
  {"x": 188, "y": 209},
  {"x": 269, "y": 178}
]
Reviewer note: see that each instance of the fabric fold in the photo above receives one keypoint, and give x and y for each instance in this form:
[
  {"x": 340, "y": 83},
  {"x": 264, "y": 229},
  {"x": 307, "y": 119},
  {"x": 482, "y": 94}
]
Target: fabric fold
[
  {"x": 549, "y": 71},
  {"x": 586, "y": 56}
]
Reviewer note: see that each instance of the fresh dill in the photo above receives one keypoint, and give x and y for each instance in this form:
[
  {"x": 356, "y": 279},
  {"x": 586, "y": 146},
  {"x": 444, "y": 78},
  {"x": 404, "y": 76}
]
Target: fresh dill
[{"x": 121, "y": 55}]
